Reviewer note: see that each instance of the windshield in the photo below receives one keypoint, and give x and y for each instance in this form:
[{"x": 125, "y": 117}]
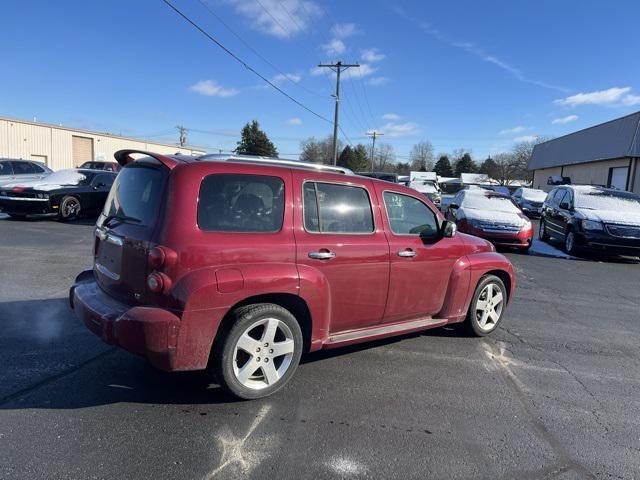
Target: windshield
[
  {"x": 597, "y": 199},
  {"x": 534, "y": 195},
  {"x": 135, "y": 195},
  {"x": 490, "y": 203},
  {"x": 65, "y": 177}
]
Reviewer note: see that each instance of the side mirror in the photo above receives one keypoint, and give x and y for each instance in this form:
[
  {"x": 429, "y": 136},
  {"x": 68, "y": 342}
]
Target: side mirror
[
  {"x": 448, "y": 229},
  {"x": 453, "y": 206},
  {"x": 565, "y": 206}
]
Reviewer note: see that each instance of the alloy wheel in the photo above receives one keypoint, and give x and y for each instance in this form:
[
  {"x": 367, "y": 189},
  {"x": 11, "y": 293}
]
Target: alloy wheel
[
  {"x": 70, "y": 207},
  {"x": 489, "y": 307},
  {"x": 263, "y": 353}
]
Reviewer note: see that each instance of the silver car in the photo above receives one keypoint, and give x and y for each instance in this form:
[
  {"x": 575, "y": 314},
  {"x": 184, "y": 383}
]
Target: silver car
[{"x": 12, "y": 171}]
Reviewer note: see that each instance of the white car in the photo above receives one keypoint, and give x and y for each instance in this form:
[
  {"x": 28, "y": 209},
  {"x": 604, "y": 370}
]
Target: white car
[{"x": 12, "y": 171}]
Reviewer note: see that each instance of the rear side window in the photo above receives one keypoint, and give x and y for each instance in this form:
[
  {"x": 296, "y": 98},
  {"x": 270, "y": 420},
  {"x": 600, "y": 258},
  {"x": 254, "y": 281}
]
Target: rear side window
[
  {"x": 333, "y": 208},
  {"x": 21, "y": 168},
  {"x": 136, "y": 194},
  {"x": 409, "y": 216},
  {"x": 37, "y": 168},
  {"x": 241, "y": 203},
  {"x": 5, "y": 168}
]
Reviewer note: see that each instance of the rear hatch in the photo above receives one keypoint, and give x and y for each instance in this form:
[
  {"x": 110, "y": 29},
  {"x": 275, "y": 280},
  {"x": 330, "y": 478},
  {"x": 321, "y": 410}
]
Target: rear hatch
[{"x": 126, "y": 229}]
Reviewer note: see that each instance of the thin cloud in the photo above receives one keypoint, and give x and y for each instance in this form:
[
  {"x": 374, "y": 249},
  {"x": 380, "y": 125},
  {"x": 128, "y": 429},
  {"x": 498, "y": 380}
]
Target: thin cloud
[
  {"x": 407, "y": 129},
  {"x": 294, "y": 121},
  {"x": 278, "y": 18},
  {"x": 391, "y": 116},
  {"x": 344, "y": 30},
  {"x": 563, "y": 120},
  {"x": 372, "y": 55},
  {"x": 334, "y": 47},
  {"x": 475, "y": 50},
  {"x": 517, "y": 129},
  {"x": 211, "y": 88},
  {"x": 526, "y": 139},
  {"x": 611, "y": 96},
  {"x": 378, "y": 81}
]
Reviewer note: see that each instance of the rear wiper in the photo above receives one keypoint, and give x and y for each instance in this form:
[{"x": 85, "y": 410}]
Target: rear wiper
[{"x": 121, "y": 219}]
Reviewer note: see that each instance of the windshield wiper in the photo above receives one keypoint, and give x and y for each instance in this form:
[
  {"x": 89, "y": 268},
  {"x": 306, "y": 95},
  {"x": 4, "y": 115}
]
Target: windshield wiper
[{"x": 120, "y": 219}]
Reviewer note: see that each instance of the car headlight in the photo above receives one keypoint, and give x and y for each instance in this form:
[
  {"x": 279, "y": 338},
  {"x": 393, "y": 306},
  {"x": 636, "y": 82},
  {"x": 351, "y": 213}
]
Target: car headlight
[
  {"x": 473, "y": 223},
  {"x": 591, "y": 225}
]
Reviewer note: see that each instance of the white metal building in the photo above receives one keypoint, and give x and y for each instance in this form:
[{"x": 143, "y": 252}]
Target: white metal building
[{"x": 62, "y": 147}]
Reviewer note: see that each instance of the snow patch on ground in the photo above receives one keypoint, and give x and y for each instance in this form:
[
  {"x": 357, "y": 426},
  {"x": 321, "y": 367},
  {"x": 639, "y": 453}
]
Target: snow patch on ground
[
  {"x": 346, "y": 466},
  {"x": 539, "y": 247}
]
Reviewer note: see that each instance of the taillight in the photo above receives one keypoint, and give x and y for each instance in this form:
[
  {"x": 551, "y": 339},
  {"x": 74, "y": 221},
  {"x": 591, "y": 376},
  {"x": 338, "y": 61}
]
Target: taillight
[
  {"x": 157, "y": 257},
  {"x": 158, "y": 282}
]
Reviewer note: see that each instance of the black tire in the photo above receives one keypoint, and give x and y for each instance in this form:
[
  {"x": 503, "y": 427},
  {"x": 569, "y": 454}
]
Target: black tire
[
  {"x": 70, "y": 208},
  {"x": 224, "y": 362},
  {"x": 472, "y": 323},
  {"x": 570, "y": 242},
  {"x": 542, "y": 231}
]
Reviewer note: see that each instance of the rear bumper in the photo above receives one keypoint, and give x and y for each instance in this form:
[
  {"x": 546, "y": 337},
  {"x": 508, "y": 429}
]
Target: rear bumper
[{"x": 149, "y": 332}]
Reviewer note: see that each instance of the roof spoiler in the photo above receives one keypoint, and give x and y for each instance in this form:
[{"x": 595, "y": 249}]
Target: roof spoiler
[{"x": 123, "y": 157}]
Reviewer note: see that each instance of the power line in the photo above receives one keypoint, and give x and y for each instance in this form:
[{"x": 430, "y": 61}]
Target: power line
[
  {"x": 258, "y": 54},
  {"x": 243, "y": 63},
  {"x": 366, "y": 98}
]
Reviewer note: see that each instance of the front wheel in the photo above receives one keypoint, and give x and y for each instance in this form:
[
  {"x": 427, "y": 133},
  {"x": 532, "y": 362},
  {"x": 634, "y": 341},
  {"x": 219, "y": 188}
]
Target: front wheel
[
  {"x": 487, "y": 306},
  {"x": 542, "y": 231},
  {"x": 260, "y": 353},
  {"x": 570, "y": 243}
]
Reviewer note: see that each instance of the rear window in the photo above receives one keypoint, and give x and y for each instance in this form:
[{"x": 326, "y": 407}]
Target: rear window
[
  {"x": 136, "y": 194},
  {"x": 333, "y": 208},
  {"x": 241, "y": 203}
]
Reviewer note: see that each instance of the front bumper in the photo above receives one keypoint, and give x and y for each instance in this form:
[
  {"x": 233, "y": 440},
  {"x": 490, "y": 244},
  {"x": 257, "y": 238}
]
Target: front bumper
[
  {"x": 521, "y": 239},
  {"x": 22, "y": 206},
  {"x": 603, "y": 242},
  {"x": 150, "y": 332}
]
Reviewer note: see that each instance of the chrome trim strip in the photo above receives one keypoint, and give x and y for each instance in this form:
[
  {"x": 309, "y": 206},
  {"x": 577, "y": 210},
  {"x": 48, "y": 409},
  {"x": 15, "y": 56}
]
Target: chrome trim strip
[
  {"x": 398, "y": 327},
  {"x": 105, "y": 271},
  {"x": 25, "y": 199},
  {"x": 114, "y": 240}
]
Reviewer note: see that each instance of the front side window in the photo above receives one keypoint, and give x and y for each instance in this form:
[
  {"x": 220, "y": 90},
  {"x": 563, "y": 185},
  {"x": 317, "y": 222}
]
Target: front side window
[
  {"x": 241, "y": 203},
  {"x": 408, "y": 215},
  {"x": 333, "y": 208},
  {"x": 105, "y": 180}
]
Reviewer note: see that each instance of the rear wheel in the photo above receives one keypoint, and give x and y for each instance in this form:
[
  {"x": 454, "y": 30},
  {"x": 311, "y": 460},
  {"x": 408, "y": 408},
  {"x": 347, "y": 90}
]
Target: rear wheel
[
  {"x": 487, "y": 306},
  {"x": 542, "y": 231},
  {"x": 69, "y": 208},
  {"x": 260, "y": 352}
]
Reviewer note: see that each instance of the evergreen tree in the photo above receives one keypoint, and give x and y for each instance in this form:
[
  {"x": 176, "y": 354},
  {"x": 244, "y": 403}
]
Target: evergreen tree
[
  {"x": 362, "y": 162},
  {"x": 255, "y": 142},
  {"x": 347, "y": 157},
  {"x": 443, "y": 167},
  {"x": 465, "y": 165},
  {"x": 489, "y": 168}
]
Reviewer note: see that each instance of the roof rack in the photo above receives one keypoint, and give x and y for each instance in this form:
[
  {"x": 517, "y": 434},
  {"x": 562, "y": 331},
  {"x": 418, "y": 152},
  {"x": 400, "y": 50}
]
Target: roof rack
[{"x": 220, "y": 157}]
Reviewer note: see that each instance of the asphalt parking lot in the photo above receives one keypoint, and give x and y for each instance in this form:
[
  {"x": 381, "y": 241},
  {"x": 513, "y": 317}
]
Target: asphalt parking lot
[{"x": 555, "y": 393}]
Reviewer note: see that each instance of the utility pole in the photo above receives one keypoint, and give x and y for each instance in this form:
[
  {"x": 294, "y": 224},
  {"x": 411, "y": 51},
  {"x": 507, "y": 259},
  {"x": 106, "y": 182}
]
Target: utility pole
[
  {"x": 373, "y": 136},
  {"x": 337, "y": 67},
  {"x": 183, "y": 135}
]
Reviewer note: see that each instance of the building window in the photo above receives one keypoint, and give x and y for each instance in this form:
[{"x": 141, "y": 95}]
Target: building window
[{"x": 618, "y": 178}]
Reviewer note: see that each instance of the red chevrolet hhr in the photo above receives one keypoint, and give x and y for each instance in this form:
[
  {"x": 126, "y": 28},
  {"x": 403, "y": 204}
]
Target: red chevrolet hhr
[{"x": 239, "y": 264}]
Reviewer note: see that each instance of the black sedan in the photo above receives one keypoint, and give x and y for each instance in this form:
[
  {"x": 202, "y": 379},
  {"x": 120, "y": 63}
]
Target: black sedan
[
  {"x": 592, "y": 218},
  {"x": 66, "y": 193}
]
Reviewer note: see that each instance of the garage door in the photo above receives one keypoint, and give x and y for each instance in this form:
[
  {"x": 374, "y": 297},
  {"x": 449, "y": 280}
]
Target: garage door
[
  {"x": 82, "y": 150},
  {"x": 618, "y": 177}
]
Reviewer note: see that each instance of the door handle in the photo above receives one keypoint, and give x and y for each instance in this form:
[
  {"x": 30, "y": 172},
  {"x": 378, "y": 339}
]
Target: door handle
[
  {"x": 407, "y": 252},
  {"x": 323, "y": 255}
]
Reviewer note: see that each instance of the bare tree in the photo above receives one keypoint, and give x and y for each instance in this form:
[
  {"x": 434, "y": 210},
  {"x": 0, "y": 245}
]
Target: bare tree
[
  {"x": 421, "y": 156},
  {"x": 385, "y": 158},
  {"x": 318, "y": 151}
]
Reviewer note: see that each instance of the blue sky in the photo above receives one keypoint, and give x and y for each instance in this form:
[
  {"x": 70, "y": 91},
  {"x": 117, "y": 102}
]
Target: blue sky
[{"x": 466, "y": 74}]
